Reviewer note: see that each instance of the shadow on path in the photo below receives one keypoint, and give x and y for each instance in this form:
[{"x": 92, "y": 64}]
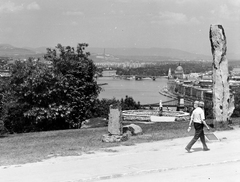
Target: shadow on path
[{"x": 197, "y": 149}]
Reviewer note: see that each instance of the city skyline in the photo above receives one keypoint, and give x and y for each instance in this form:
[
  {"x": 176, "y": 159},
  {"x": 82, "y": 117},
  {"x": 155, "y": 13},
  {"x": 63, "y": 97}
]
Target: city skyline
[{"x": 177, "y": 24}]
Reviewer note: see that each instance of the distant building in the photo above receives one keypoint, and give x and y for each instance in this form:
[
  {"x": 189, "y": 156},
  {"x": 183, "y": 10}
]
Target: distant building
[
  {"x": 108, "y": 73},
  {"x": 205, "y": 83},
  {"x": 192, "y": 76},
  {"x": 235, "y": 72},
  {"x": 5, "y": 73},
  {"x": 179, "y": 73}
]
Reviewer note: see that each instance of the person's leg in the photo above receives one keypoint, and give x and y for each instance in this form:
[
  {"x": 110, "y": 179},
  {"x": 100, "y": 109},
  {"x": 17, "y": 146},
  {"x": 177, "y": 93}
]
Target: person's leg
[
  {"x": 190, "y": 144},
  {"x": 202, "y": 138},
  {"x": 198, "y": 131}
]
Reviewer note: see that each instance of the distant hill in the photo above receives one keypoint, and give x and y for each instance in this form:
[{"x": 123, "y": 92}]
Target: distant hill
[
  {"x": 153, "y": 52},
  {"x": 138, "y": 52},
  {"x": 130, "y": 53},
  {"x": 38, "y": 50},
  {"x": 9, "y": 50}
]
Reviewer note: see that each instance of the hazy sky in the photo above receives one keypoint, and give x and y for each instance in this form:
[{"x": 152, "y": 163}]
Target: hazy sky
[{"x": 180, "y": 24}]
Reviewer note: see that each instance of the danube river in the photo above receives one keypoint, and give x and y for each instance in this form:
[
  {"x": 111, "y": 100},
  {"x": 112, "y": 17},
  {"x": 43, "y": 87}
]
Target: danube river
[{"x": 145, "y": 91}]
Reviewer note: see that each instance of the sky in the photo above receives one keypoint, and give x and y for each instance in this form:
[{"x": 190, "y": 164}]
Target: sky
[{"x": 178, "y": 24}]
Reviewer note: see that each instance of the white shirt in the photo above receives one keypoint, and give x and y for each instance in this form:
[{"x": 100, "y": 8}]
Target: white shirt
[{"x": 198, "y": 115}]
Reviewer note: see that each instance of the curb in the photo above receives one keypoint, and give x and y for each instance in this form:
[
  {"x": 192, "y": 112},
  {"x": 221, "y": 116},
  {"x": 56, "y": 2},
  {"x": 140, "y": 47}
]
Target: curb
[{"x": 113, "y": 176}]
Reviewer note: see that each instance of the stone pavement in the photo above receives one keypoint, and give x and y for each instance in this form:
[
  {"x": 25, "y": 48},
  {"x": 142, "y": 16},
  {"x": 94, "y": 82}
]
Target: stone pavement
[{"x": 119, "y": 162}]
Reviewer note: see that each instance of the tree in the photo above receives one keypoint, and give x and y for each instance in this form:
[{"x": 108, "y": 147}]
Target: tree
[
  {"x": 38, "y": 97},
  {"x": 77, "y": 87},
  {"x": 21, "y": 93}
]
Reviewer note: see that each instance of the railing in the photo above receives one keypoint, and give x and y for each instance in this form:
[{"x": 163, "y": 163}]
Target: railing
[{"x": 170, "y": 103}]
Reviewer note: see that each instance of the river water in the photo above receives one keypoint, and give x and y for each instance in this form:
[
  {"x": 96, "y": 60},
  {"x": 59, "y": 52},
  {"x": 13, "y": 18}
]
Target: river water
[{"x": 144, "y": 91}]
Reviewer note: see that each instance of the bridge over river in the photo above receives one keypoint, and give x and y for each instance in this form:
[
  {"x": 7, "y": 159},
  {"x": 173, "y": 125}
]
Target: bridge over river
[
  {"x": 178, "y": 103},
  {"x": 136, "y": 77}
]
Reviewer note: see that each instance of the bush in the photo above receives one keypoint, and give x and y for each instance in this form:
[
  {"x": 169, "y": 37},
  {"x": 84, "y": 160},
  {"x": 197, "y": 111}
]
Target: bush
[
  {"x": 236, "y": 112},
  {"x": 208, "y": 108},
  {"x": 101, "y": 107}
]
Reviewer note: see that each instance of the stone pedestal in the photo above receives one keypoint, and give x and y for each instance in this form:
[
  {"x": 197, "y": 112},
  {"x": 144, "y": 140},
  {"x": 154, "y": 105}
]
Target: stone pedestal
[
  {"x": 115, "y": 128},
  {"x": 108, "y": 138},
  {"x": 115, "y": 120}
]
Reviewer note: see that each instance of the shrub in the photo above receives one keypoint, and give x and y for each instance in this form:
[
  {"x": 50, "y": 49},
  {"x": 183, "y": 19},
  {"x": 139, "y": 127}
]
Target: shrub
[
  {"x": 101, "y": 107},
  {"x": 236, "y": 112}
]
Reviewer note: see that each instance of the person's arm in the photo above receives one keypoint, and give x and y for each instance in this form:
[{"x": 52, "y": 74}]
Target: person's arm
[
  {"x": 204, "y": 122},
  {"x": 190, "y": 122},
  {"x": 191, "y": 118},
  {"x": 203, "y": 119}
]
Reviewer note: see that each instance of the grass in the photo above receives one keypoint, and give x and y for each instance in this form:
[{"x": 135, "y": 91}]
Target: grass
[{"x": 34, "y": 147}]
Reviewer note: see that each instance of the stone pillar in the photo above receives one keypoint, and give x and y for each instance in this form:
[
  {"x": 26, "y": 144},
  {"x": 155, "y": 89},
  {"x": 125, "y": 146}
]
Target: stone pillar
[
  {"x": 115, "y": 120},
  {"x": 221, "y": 93},
  {"x": 180, "y": 106},
  {"x": 160, "y": 108}
]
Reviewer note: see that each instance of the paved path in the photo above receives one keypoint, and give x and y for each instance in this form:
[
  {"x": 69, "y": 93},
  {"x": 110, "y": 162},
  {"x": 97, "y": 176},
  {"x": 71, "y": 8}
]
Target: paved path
[
  {"x": 225, "y": 172},
  {"x": 166, "y": 160}
]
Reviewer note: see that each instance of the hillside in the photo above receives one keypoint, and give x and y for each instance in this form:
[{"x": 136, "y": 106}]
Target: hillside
[
  {"x": 122, "y": 53},
  {"x": 146, "y": 52},
  {"x": 9, "y": 50}
]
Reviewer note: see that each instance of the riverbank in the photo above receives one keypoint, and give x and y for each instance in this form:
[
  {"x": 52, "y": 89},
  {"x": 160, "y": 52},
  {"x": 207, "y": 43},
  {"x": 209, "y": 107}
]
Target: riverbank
[{"x": 165, "y": 92}]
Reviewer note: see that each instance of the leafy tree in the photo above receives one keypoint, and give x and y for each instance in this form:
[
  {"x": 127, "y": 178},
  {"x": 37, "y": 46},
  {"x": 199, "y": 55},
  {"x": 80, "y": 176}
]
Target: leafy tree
[
  {"x": 39, "y": 97},
  {"x": 12, "y": 103},
  {"x": 77, "y": 88}
]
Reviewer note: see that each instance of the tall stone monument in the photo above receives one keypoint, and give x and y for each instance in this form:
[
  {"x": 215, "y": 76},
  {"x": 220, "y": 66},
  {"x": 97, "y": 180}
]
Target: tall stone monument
[{"x": 221, "y": 92}]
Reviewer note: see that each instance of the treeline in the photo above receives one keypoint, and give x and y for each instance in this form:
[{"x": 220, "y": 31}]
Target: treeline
[{"x": 162, "y": 69}]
